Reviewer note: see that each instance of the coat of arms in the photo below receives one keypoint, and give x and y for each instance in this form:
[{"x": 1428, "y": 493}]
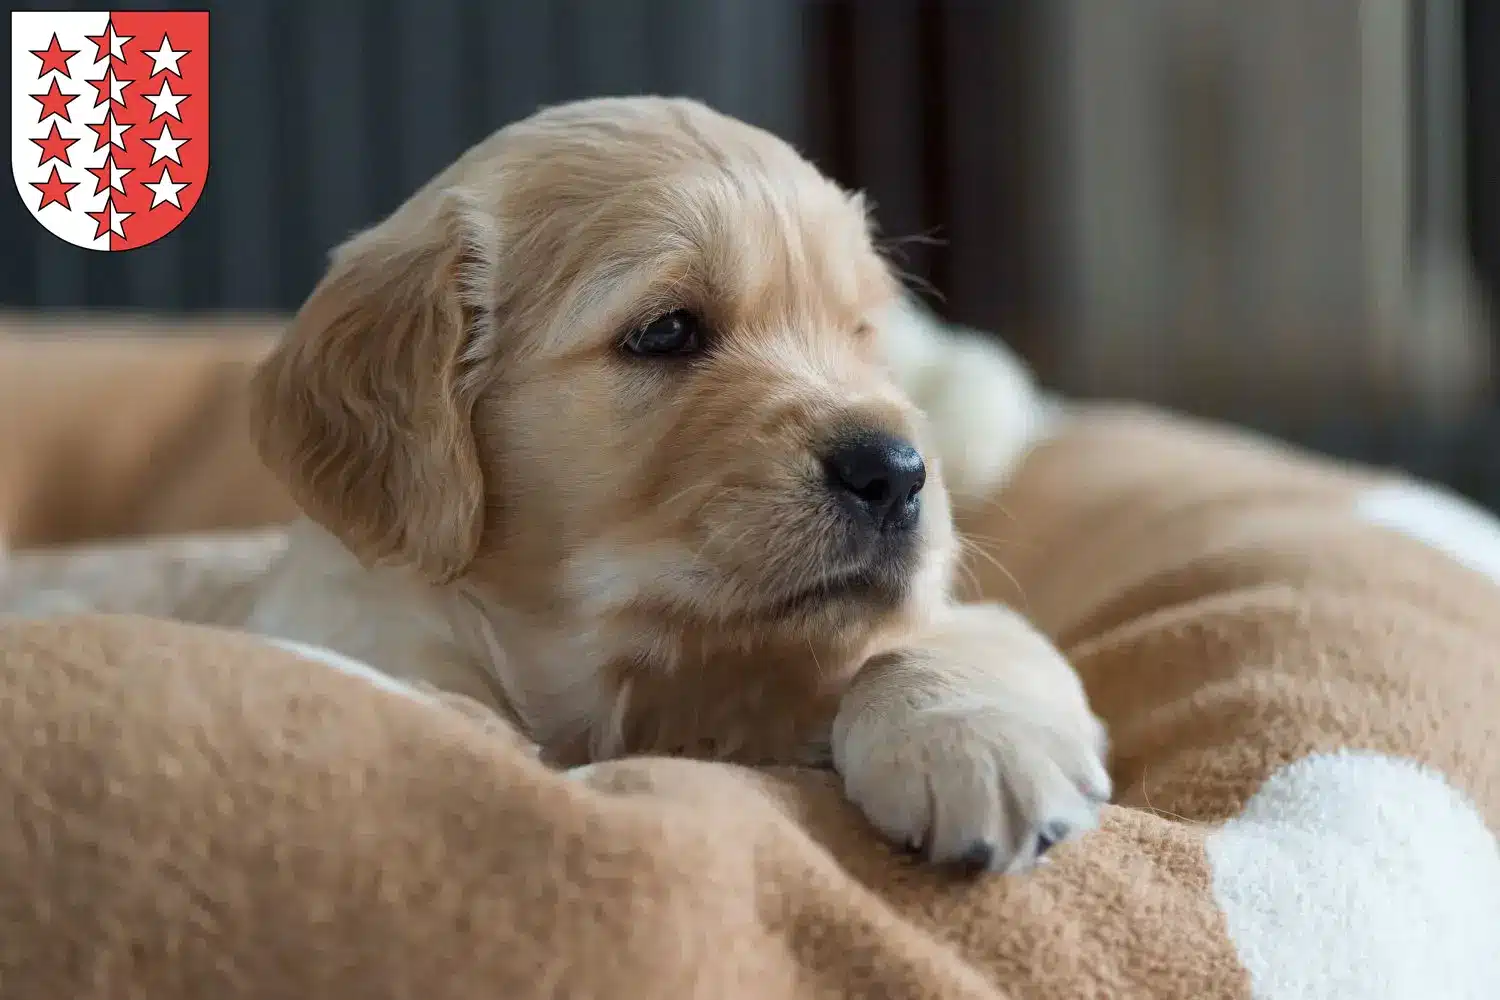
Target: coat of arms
[{"x": 109, "y": 121}]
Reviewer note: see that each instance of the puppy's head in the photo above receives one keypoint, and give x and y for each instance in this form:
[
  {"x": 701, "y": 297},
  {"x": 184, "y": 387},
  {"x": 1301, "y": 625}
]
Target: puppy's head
[{"x": 617, "y": 360}]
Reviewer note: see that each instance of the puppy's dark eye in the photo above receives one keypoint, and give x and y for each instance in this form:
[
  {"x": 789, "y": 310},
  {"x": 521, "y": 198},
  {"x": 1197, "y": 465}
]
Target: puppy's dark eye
[{"x": 674, "y": 333}]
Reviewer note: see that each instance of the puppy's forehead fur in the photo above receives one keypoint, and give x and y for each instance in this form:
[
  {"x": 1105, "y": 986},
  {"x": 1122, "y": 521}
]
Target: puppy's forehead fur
[{"x": 612, "y": 211}]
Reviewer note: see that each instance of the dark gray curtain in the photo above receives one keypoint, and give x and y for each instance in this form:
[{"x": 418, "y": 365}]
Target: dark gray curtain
[
  {"x": 1482, "y": 138},
  {"x": 927, "y": 106}
]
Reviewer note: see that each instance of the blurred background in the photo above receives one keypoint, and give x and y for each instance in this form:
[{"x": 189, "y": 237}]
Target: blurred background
[{"x": 1280, "y": 213}]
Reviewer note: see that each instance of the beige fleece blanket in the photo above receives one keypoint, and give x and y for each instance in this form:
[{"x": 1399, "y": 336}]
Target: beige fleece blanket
[{"x": 1298, "y": 664}]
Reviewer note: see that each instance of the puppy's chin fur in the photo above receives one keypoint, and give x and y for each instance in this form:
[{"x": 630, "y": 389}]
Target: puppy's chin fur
[
  {"x": 722, "y": 672},
  {"x": 618, "y": 553}
]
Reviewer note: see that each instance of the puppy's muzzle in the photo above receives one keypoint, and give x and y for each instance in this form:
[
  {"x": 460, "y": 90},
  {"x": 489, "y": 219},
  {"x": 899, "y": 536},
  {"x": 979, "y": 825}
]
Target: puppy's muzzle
[{"x": 878, "y": 479}]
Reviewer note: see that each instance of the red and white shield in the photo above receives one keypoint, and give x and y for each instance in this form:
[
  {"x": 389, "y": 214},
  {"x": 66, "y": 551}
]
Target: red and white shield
[{"x": 109, "y": 121}]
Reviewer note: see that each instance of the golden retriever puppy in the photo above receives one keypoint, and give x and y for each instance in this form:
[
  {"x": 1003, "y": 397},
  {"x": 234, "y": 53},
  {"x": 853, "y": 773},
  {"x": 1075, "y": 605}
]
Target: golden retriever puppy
[{"x": 611, "y": 427}]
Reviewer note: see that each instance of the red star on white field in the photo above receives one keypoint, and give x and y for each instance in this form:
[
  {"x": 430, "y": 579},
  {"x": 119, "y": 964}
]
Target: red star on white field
[
  {"x": 164, "y": 191},
  {"x": 54, "y": 191},
  {"x": 55, "y": 102},
  {"x": 164, "y": 146},
  {"x": 54, "y": 147},
  {"x": 164, "y": 102},
  {"x": 165, "y": 59},
  {"x": 54, "y": 57}
]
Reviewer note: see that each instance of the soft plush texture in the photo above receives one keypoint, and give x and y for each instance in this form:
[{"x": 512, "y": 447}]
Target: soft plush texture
[{"x": 1297, "y": 662}]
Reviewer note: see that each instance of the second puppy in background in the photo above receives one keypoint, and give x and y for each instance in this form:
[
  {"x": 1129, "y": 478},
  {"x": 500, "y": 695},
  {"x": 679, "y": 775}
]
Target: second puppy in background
[{"x": 611, "y": 427}]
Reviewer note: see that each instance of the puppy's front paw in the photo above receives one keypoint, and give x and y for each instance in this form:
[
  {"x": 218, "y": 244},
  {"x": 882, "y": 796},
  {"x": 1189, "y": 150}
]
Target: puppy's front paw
[
  {"x": 978, "y": 785},
  {"x": 968, "y": 772}
]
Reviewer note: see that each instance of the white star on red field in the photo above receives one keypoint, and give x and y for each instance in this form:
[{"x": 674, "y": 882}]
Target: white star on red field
[
  {"x": 164, "y": 191},
  {"x": 164, "y": 146},
  {"x": 166, "y": 58},
  {"x": 164, "y": 102}
]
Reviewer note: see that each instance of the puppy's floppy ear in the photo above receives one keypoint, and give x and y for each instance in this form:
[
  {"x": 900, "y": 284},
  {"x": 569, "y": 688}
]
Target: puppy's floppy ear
[{"x": 365, "y": 408}]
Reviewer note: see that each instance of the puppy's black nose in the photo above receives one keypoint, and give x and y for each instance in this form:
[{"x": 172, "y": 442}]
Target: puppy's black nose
[{"x": 882, "y": 475}]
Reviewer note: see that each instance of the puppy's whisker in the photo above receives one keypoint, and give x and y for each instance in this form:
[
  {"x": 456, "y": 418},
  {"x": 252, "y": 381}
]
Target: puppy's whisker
[
  {"x": 715, "y": 534},
  {"x": 928, "y": 237},
  {"x": 688, "y": 490},
  {"x": 1011, "y": 544},
  {"x": 975, "y": 536},
  {"x": 814, "y": 654},
  {"x": 988, "y": 538},
  {"x": 917, "y": 283},
  {"x": 734, "y": 544},
  {"x": 992, "y": 503},
  {"x": 971, "y": 579},
  {"x": 894, "y": 249},
  {"x": 973, "y": 548},
  {"x": 969, "y": 548}
]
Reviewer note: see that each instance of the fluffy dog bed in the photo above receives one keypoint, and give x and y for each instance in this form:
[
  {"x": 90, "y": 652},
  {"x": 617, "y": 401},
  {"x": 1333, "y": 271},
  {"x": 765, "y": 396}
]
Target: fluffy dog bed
[{"x": 1297, "y": 661}]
